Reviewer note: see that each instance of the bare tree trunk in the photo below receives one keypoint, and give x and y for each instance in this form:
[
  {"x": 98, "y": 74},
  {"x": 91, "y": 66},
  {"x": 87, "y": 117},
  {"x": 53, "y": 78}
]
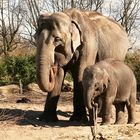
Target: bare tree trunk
[{"x": 10, "y": 23}]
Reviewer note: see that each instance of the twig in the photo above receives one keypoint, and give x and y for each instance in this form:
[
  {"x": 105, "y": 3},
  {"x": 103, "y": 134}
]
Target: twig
[
  {"x": 21, "y": 86},
  {"x": 93, "y": 128}
]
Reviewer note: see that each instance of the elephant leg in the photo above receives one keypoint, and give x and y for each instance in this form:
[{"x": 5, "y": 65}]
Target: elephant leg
[
  {"x": 86, "y": 57},
  {"x": 49, "y": 114},
  {"x": 131, "y": 110},
  {"x": 120, "y": 109},
  {"x": 79, "y": 113},
  {"x": 107, "y": 111}
]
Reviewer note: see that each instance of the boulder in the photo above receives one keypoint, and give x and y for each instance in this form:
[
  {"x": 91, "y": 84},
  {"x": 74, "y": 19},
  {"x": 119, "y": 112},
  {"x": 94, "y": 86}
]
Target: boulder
[{"x": 9, "y": 89}]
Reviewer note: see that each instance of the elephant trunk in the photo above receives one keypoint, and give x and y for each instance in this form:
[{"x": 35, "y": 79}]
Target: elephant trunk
[
  {"x": 91, "y": 116},
  {"x": 45, "y": 68},
  {"x": 89, "y": 102},
  {"x": 88, "y": 99}
]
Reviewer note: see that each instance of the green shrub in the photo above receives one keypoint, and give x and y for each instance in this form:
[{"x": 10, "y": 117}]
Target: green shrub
[
  {"x": 133, "y": 61},
  {"x": 13, "y": 69},
  {"x": 68, "y": 77}
]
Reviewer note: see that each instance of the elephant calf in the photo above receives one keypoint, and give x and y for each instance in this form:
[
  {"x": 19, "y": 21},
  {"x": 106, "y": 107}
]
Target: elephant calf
[{"x": 115, "y": 83}]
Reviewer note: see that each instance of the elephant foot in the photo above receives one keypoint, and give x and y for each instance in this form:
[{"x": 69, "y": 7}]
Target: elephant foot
[
  {"x": 47, "y": 117},
  {"x": 119, "y": 122},
  {"x": 105, "y": 123},
  {"x": 79, "y": 118},
  {"x": 131, "y": 122}
]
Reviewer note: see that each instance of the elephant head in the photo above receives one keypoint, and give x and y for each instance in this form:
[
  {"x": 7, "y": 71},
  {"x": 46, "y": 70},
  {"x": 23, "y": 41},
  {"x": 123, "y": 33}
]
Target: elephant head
[
  {"x": 95, "y": 82},
  {"x": 57, "y": 38}
]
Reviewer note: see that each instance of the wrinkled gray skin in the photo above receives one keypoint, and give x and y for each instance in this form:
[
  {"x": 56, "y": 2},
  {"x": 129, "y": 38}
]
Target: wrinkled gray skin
[
  {"x": 116, "y": 83},
  {"x": 72, "y": 40}
]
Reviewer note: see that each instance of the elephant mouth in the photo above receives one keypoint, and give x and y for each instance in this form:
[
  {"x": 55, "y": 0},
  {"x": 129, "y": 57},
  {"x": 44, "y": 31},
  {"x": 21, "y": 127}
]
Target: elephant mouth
[{"x": 93, "y": 104}]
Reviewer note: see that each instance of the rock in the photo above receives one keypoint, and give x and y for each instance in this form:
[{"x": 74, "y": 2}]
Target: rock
[
  {"x": 23, "y": 100},
  {"x": 33, "y": 87},
  {"x": 66, "y": 87},
  {"x": 9, "y": 89}
]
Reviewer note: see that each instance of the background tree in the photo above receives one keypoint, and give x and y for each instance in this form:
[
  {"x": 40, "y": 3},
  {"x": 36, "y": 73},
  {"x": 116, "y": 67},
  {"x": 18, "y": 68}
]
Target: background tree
[
  {"x": 10, "y": 20},
  {"x": 18, "y": 18},
  {"x": 126, "y": 12}
]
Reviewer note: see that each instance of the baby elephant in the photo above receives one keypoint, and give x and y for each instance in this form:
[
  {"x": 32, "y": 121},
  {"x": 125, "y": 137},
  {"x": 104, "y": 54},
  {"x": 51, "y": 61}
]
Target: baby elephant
[{"x": 115, "y": 83}]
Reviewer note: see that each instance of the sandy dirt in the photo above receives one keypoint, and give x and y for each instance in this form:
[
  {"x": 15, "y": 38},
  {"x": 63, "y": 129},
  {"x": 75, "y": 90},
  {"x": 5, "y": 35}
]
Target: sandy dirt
[{"x": 19, "y": 121}]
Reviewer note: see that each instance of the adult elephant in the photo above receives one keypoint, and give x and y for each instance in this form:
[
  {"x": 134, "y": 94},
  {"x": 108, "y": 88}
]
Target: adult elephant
[{"x": 72, "y": 40}]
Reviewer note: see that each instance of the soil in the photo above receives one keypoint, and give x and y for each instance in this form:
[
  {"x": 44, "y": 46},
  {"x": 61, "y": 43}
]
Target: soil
[{"x": 19, "y": 120}]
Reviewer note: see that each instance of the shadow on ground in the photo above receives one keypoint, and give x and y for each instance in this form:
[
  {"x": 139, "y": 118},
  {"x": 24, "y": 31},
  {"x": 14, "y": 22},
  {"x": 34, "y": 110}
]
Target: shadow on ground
[{"x": 31, "y": 117}]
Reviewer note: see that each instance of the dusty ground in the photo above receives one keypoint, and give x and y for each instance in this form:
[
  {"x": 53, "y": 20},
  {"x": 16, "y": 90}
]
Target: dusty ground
[{"x": 20, "y": 121}]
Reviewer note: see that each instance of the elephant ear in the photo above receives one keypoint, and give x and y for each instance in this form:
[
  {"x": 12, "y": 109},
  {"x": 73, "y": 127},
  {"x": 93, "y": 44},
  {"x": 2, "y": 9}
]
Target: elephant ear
[
  {"x": 105, "y": 78},
  {"x": 76, "y": 35},
  {"x": 87, "y": 34},
  {"x": 78, "y": 26}
]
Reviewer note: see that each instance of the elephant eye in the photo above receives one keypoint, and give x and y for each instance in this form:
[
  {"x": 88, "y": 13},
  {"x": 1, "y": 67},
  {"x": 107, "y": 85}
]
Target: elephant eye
[
  {"x": 97, "y": 87},
  {"x": 58, "y": 41}
]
